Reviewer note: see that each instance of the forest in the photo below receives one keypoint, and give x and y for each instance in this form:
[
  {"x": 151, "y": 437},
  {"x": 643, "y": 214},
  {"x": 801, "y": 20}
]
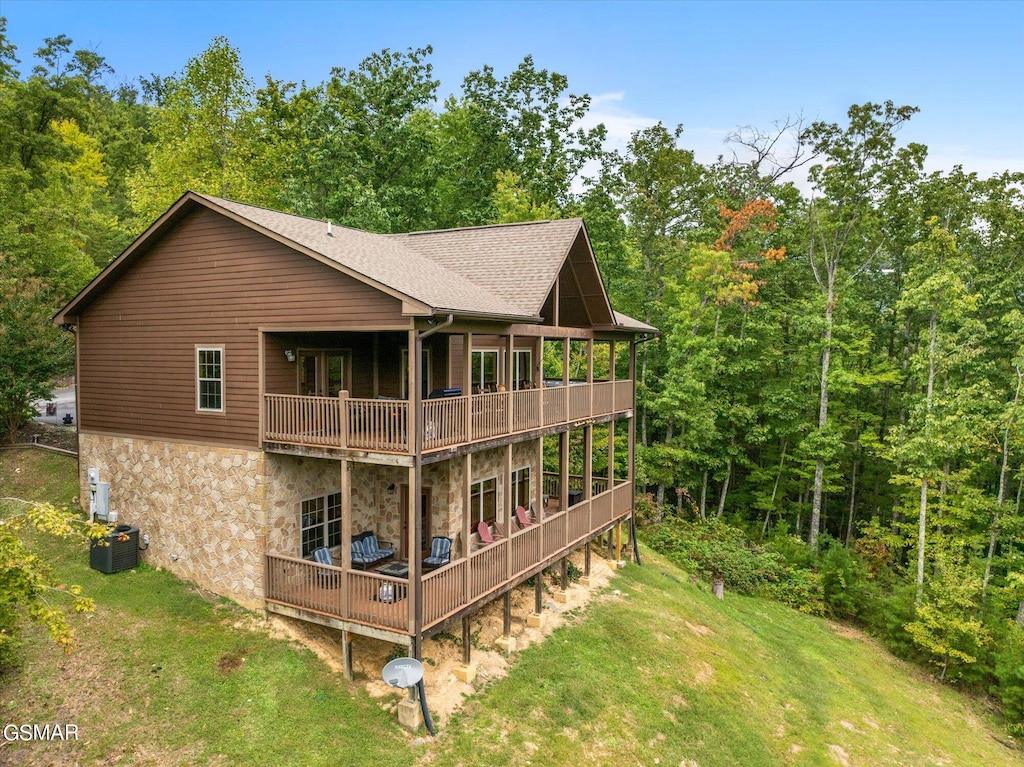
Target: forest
[{"x": 832, "y": 414}]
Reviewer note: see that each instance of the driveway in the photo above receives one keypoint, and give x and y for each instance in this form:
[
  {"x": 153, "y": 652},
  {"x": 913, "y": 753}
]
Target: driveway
[{"x": 63, "y": 402}]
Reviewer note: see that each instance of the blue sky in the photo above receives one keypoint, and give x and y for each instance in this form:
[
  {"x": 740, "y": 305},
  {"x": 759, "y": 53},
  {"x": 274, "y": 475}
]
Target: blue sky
[{"x": 712, "y": 66}]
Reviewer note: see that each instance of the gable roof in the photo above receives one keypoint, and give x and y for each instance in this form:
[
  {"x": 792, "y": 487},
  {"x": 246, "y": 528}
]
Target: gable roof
[
  {"x": 504, "y": 272},
  {"x": 517, "y": 262}
]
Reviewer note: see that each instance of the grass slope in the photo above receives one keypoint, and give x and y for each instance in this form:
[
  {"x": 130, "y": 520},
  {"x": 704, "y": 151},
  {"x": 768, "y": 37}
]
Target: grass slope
[{"x": 660, "y": 673}]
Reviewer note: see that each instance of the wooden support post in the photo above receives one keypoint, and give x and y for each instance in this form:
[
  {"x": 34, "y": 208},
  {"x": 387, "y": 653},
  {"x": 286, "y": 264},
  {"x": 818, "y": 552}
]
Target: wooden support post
[
  {"x": 618, "y": 543},
  {"x": 467, "y": 486},
  {"x": 534, "y": 620},
  {"x": 506, "y": 641},
  {"x": 508, "y": 513},
  {"x": 346, "y": 654},
  {"x": 466, "y": 649}
]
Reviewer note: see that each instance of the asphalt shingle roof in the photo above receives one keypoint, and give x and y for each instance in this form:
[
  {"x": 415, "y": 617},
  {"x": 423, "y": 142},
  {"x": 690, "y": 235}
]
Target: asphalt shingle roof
[{"x": 383, "y": 259}]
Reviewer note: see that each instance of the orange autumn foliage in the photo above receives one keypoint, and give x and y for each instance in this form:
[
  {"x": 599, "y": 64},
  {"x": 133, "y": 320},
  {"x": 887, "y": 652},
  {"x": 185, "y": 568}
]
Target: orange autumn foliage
[{"x": 734, "y": 277}]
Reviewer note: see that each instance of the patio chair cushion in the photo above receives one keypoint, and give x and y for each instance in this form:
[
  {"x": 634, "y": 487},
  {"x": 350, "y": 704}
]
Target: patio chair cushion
[
  {"x": 326, "y": 578},
  {"x": 359, "y": 559},
  {"x": 372, "y": 547},
  {"x": 440, "y": 552},
  {"x": 323, "y": 556}
]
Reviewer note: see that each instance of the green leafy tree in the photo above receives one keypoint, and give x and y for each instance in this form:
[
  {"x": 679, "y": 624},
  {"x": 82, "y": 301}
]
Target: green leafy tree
[
  {"x": 862, "y": 162},
  {"x": 28, "y": 589},
  {"x": 34, "y": 352},
  {"x": 203, "y": 135}
]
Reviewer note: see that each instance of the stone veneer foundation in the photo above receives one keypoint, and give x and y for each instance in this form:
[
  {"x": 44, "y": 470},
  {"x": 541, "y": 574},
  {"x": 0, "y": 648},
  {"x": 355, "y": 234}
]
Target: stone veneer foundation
[
  {"x": 211, "y": 512},
  {"x": 202, "y": 507}
]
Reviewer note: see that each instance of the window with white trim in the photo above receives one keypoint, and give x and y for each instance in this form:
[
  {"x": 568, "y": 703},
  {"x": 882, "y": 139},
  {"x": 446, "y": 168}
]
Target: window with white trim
[
  {"x": 210, "y": 379},
  {"x": 483, "y": 501},
  {"x": 521, "y": 488},
  {"x": 320, "y": 522}
]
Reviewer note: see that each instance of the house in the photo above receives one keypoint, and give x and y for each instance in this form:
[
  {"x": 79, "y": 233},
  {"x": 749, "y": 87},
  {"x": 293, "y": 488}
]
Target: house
[{"x": 255, "y": 386}]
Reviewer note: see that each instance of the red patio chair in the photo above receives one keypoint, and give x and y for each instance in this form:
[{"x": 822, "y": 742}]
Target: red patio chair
[{"x": 521, "y": 517}]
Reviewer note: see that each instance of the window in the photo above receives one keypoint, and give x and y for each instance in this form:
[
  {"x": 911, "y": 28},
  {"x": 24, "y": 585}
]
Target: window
[
  {"x": 522, "y": 368},
  {"x": 210, "y": 379},
  {"x": 483, "y": 501},
  {"x": 321, "y": 522},
  {"x": 521, "y": 488},
  {"x": 485, "y": 369}
]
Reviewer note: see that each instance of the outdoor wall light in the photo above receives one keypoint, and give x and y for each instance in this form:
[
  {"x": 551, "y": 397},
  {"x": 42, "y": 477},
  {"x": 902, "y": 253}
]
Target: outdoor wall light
[
  {"x": 289, "y": 355},
  {"x": 391, "y": 489}
]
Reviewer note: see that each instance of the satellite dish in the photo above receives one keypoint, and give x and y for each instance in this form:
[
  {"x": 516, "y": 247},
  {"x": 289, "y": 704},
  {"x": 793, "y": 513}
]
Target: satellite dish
[{"x": 403, "y": 672}]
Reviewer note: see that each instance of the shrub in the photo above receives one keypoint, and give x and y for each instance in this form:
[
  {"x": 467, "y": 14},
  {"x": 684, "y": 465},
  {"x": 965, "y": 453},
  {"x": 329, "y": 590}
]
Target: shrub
[
  {"x": 1009, "y": 674},
  {"x": 842, "y": 582}
]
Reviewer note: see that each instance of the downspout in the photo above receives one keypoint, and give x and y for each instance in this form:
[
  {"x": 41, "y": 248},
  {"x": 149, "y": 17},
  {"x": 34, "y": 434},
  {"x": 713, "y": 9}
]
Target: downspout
[
  {"x": 416, "y": 491},
  {"x": 632, "y": 451}
]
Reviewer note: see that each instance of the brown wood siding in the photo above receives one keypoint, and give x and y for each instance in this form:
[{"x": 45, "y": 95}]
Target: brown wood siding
[{"x": 209, "y": 281}]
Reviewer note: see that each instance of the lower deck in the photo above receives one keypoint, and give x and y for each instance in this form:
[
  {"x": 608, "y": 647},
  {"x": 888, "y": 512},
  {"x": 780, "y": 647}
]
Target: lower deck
[{"x": 374, "y": 604}]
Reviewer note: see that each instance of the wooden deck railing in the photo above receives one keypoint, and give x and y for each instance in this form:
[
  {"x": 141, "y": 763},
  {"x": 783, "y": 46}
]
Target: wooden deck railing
[
  {"x": 384, "y": 602},
  {"x": 382, "y": 425}
]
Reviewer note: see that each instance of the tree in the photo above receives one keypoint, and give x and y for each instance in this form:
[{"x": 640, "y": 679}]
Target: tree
[
  {"x": 27, "y": 587},
  {"x": 203, "y": 135},
  {"x": 33, "y": 350},
  {"x": 936, "y": 288},
  {"x": 862, "y": 162}
]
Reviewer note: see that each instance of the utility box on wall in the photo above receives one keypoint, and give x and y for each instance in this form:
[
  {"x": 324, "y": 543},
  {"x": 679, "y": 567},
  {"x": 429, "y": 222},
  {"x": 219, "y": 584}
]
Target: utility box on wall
[{"x": 120, "y": 553}]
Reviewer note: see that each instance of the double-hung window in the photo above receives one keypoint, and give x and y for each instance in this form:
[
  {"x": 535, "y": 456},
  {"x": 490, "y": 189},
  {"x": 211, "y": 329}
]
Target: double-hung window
[
  {"x": 483, "y": 501},
  {"x": 210, "y": 379},
  {"x": 321, "y": 522}
]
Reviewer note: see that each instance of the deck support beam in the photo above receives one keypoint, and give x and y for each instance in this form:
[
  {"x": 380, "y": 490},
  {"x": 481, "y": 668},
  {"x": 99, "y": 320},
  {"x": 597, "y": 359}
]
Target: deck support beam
[
  {"x": 506, "y": 642},
  {"x": 536, "y": 618},
  {"x": 346, "y": 654},
  {"x": 467, "y": 671}
]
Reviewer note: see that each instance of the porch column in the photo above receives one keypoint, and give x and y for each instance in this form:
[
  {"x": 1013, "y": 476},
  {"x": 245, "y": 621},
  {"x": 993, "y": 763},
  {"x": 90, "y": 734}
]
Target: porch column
[
  {"x": 538, "y": 494},
  {"x": 510, "y": 358},
  {"x": 588, "y": 462},
  {"x": 467, "y": 481},
  {"x": 467, "y": 383},
  {"x": 507, "y": 502},
  {"x": 590, "y": 376},
  {"x": 414, "y": 432},
  {"x": 563, "y": 477},
  {"x": 632, "y": 453},
  {"x": 538, "y": 377},
  {"x": 346, "y": 532}
]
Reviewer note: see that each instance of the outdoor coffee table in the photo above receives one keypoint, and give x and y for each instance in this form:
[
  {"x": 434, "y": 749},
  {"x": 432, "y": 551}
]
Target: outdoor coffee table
[{"x": 394, "y": 569}]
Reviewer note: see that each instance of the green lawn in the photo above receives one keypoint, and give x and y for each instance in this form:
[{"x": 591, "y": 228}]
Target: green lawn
[{"x": 660, "y": 673}]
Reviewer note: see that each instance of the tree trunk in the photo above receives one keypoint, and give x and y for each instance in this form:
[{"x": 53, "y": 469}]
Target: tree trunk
[
  {"x": 923, "y": 510},
  {"x": 819, "y": 466},
  {"x": 853, "y": 502},
  {"x": 775, "y": 488},
  {"x": 704, "y": 496},
  {"x": 725, "y": 489}
]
